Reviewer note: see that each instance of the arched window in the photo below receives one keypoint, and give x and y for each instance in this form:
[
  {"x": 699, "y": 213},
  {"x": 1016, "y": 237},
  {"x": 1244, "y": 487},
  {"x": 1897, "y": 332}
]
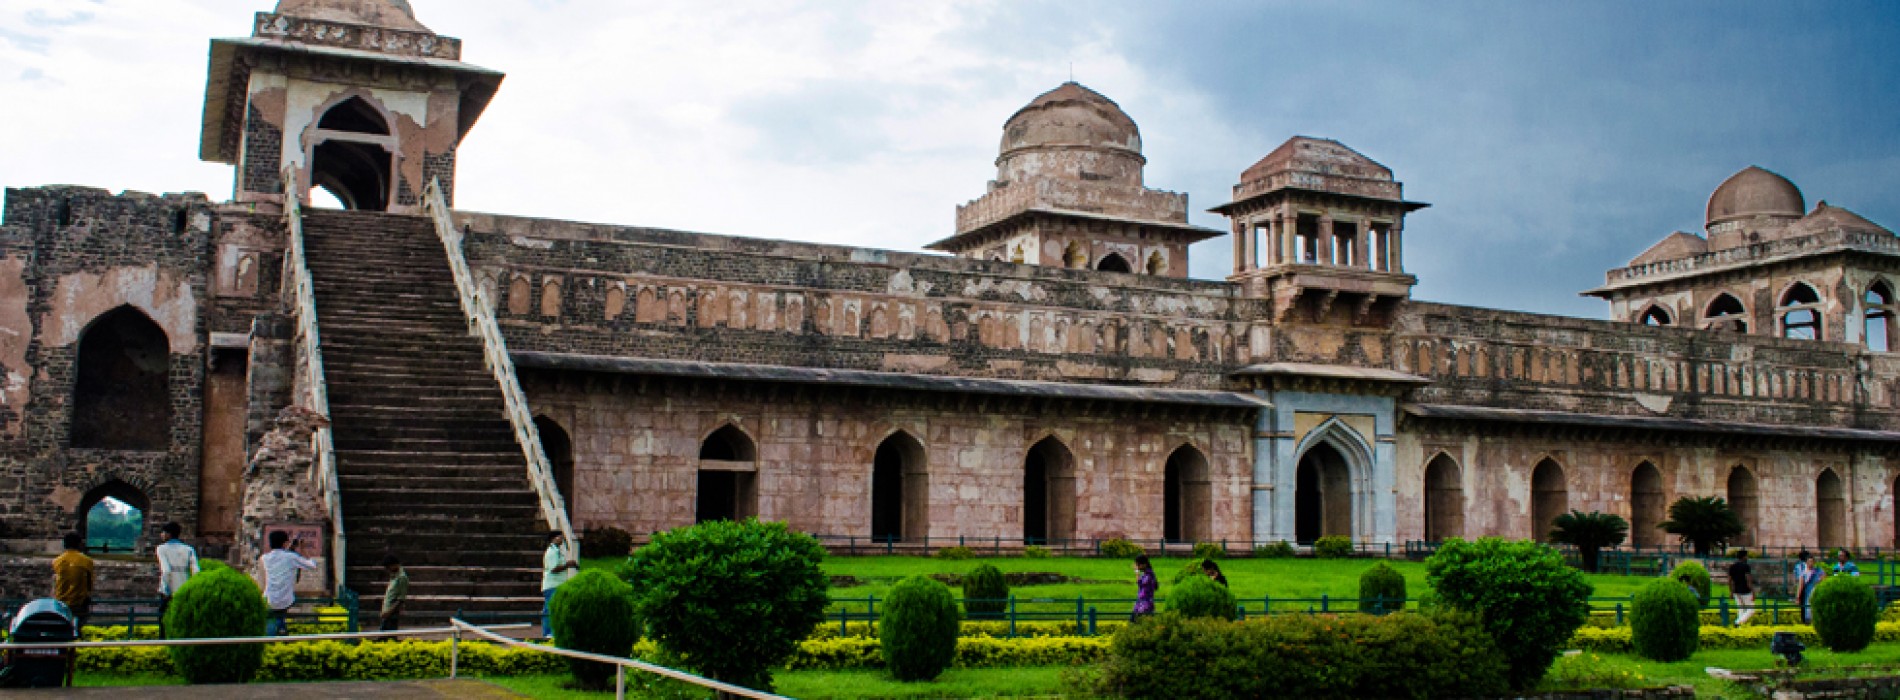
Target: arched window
[
  {"x": 112, "y": 517},
  {"x": 559, "y": 450},
  {"x": 354, "y": 115},
  {"x": 1726, "y": 313},
  {"x": 900, "y": 490},
  {"x": 1114, "y": 262},
  {"x": 1048, "y": 492},
  {"x": 351, "y": 155},
  {"x": 1187, "y": 497},
  {"x": 122, "y": 387},
  {"x": 728, "y": 466},
  {"x": 1877, "y": 325},
  {"x": 1800, "y": 312},
  {"x": 1656, "y": 316},
  {"x": 1322, "y": 495},
  {"x": 1444, "y": 499},
  {"x": 1744, "y": 498},
  {"x": 1550, "y": 497},
  {"x": 1646, "y": 506},
  {"x": 1830, "y": 501}
]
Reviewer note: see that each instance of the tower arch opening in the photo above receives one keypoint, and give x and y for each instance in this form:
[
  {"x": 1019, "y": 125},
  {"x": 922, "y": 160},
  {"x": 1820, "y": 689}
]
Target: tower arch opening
[
  {"x": 1656, "y": 315},
  {"x": 1114, "y": 262},
  {"x": 122, "y": 385},
  {"x": 1877, "y": 317},
  {"x": 352, "y": 155},
  {"x": 1726, "y": 313},
  {"x": 1800, "y": 312}
]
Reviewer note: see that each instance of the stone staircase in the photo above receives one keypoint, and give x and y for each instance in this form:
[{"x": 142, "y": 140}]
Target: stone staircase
[{"x": 427, "y": 462}]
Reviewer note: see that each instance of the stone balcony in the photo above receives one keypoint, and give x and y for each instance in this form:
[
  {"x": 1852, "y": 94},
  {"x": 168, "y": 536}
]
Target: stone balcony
[{"x": 1747, "y": 256}]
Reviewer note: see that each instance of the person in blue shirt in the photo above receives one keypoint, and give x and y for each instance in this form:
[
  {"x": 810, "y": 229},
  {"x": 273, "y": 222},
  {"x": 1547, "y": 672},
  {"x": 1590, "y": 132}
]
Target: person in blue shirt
[{"x": 1844, "y": 563}]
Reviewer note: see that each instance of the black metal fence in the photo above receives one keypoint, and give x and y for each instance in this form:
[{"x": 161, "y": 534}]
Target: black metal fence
[{"x": 135, "y": 613}]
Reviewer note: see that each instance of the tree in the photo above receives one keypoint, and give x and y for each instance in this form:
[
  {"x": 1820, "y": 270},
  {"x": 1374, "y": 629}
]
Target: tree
[
  {"x": 1706, "y": 523},
  {"x": 1589, "y": 533},
  {"x": 1528, "y": 600},
  {"x": 918, "y": 632},
  {"x": 733, "y": 599}
]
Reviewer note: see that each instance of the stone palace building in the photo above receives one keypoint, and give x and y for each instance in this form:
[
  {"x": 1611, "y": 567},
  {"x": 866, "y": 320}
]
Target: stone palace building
[{"x": 1055, "y": 376}]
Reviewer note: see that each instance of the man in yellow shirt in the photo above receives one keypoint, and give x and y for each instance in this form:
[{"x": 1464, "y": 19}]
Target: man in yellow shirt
[{"x": 72, "y": 577}]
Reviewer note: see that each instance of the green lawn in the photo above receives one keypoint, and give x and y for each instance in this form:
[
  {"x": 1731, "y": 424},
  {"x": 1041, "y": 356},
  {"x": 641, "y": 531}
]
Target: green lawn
[
  {"x": 1626, "y": 670},
  {"x": 1038, "y": 681}
]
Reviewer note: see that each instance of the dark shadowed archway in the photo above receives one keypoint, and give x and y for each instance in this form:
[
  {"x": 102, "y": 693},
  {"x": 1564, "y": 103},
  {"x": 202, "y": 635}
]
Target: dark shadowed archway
[
  {"x": 1646, "y": 506},
  {"x": 1744, "y": 498},
  {"x": 558, "y": 448},
  {"x": 727, "y": 486},
  {"x": 1444, "y": 499},
  {"x": 1048, "y": 492},
  {"x": 122, "y": 387},
  {"x": 1550, "y": 497},
  {"x": 900, "y": 490},
  {"x": 1187, "y": 494},
  {"x": 1322, "y": 495},
  {"x": 111, "y": 516},
  {"x": 1830, "y": 509}
]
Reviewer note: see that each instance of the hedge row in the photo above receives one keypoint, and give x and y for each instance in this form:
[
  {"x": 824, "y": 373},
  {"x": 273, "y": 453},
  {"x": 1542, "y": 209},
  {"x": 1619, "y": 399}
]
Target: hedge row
[
  {"x": 1617, "y": 639},
  {"x": 981, "y": 628},
  {"x": 332, "y": 660},
  {"x": 838, "y": 653}
]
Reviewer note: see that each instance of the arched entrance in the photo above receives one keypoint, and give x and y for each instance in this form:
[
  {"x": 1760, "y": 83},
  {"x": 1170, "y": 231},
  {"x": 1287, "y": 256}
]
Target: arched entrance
[
  {"x": 112, "y": 517},
  {"x": 1187, "y": 513},
  {"x": 558, "y": 448},
  {"x": 350, "y": 155},
  {"x": 728, "y": 465},
  {"x": 1646, "y": 506},
  {"x": 1743, "y": 498},
  {"x": 900, "y": 490},
  {"x": 1048, "y": 492},
  {"x": 1322, "y": 495},
  {"x": 1444, "y": 499},
  {"x": 1830, "y": 508},
  {"x": 1550, "y": 497},
  {"x": 122, "y": 388},
  {"x": 1114, "y": 262}
]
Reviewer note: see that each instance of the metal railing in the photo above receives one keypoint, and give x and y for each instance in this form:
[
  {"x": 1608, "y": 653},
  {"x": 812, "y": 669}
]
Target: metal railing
[
  {"x": 621, "y": 664},
  {"x": 134, "y": 613},
  {"x": 303, "y": 301},
  {"x": 481, "y": 323}
]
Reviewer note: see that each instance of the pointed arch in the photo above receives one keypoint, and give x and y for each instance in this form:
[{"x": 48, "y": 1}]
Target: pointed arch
[
  {"x": 122, "y": 384},
  {"x": 106, "y": 528},
  {"x": 1550, "y": 497},
  {"x": 727, "y": 487},
  {"x": 1725, "y": 312},
  {"x": 1444, "y": 499},
  {"x": 1187, "y": 493},
  {"x": 1048, "y": 492},
  {"x": 352, "y": 153},
  {"x": 1744, "y": 497},
  {"x": 1799, "y": 312},
  {"x": 1114, "y": 262},
  {"x": 1830, "y": 509},
  {"x": 1647, "y": 505},
  {"x": 900, "y": 489},
  {"x": 1331, "y": 495},
  {"x": 1656, "y": 315},
  {"x": 558, "y": 448},
  {"x": 1877, "y": 314},
  {"x": 355, "y": 114}
]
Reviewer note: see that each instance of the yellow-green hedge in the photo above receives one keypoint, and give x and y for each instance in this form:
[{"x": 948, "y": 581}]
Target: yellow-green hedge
[
  {"x": 981, "y": 628},
  {"x": 332, "y": 660},
  {"x": 1617, "y": 639},
  {"x": 1764, "y": 617},
  {"x": 972, "y": 652}
]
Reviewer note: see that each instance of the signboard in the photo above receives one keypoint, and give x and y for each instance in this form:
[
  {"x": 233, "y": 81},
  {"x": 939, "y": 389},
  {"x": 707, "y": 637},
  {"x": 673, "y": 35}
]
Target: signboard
[{"x": 306, "y": 538}]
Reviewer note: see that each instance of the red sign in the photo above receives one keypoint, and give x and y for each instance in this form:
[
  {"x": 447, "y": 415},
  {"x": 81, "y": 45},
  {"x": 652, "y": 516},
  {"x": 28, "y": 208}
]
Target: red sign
[{"x": 305, "y": 538}]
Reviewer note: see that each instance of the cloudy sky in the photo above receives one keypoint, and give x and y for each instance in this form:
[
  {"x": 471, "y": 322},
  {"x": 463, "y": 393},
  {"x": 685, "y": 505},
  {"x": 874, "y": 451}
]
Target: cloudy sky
[{"x": 1555, "y": 140}]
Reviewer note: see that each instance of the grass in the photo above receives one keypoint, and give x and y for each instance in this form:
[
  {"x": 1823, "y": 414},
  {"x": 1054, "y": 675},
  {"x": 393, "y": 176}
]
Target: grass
[
  {"x": 1035, "y": 681},
  {"x": 1627, "y": 670}
]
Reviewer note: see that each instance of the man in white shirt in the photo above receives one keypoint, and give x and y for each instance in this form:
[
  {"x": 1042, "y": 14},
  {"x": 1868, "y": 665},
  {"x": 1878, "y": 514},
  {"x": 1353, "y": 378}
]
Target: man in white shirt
[
  {"x": 177, "y": 563},
  {"x": 280, "y": 581},
  {"x": 556, "y": 569}
]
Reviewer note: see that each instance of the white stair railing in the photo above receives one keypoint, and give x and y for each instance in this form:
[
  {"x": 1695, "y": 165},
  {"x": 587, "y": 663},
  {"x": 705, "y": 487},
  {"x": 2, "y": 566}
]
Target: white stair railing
[
  {"x": 302, "y": 299},
  {"x": 481, "y": 323}
]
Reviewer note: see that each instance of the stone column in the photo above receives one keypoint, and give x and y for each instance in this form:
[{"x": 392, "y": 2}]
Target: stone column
[
  {"x": 1240, "y": 246},
  {"x": 1266, "y": 491},
  {"x": 1359, "y": 240},
  {"x": 1325, "y": 240},
  {"x": 1393, "y": 260},
  {"x": 1289, "y": 236}
]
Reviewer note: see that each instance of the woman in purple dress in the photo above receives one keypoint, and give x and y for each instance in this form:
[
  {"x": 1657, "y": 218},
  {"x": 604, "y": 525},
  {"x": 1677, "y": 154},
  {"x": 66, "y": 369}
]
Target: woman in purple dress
[{"x": 1145, "y": 586}]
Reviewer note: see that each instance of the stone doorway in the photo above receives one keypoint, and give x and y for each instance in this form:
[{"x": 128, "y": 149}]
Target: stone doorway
[
  {"x": 1743, "y": 498},
  {"x": 1444, "y": 499},
  {"x": 1187, "y": 495},
  {"x": 558, "y": 448},
  {"x": 1647, "y": 506},
  {"x": 900, "y": 490},
  {"x": 1322, "y": 495},
  {"x": 122, "y": 388},
  {"x": 1830, "y": 501},
  {"x": 1550, "y": 497},
  {"x": 353, "y": 155},
  {"x": 727, "y": 481},
  {"x": 1048, "y": 493}
]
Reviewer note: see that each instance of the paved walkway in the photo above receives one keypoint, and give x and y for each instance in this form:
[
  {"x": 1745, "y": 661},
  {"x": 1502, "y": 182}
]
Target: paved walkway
[{"x": 473, "y": 690}]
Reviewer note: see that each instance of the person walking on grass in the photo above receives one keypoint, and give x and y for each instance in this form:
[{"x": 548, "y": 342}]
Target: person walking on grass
[
  {"x": 177, "y": 563},
  {"x": 1741, "y": 584},
  {"x": 395, "y": 593},
  {"x": 1145, "y": 586},
  {"x": 72, "y": 577},
  {"x": 556, "y": 569},
  {"x": 1807, "y": 576},
  {"x": 281, "y": 565}
]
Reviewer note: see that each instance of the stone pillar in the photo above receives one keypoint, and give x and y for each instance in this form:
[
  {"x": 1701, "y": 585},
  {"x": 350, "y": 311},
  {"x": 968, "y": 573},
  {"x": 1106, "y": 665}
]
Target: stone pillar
[
  {"x": 1250, "y": 244},
  {"x": 1393, "y": 259},
  {"x": 1240, "y": 246},
  {"x": 1359, "y": 240},
  {"x": 1324, "y": 240},
  {"x": 1289, "y": 236},
  {"x": 1266, "y": 491}
]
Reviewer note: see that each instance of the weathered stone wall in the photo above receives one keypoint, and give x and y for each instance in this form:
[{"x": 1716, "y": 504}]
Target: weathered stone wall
[{"x": 31, "y": 577}]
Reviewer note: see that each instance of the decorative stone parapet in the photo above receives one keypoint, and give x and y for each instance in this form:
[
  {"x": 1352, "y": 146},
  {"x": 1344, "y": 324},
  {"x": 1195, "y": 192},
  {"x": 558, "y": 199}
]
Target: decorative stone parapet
[{"x": 400, "y": 42}]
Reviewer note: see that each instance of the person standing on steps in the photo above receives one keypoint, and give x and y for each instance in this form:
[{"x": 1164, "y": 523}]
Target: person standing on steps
[
  {"x": 556, "y": 569},
  {"x": 281, "y": 565},
  {"x": 1741, "y": 584},
  {"x": 177, "y": 563},
  {"x": 395, "y": 593},
  {"x": 72, "y": 577},
  {"x": 1145, "y": 586}
]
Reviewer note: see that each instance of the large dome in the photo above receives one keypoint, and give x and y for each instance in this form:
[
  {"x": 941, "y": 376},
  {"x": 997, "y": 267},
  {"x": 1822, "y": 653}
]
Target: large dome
[
  {"x": 392, "y": 14},
  {"x": 1071, "y": 133},
  {"x": 1755, "y": 192}
]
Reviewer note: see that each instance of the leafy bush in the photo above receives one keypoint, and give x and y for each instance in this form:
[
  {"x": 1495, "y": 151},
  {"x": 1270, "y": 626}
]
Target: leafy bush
[
  {"x": 1706, "y": 523},
  {"x": 1752, "y": 637},
  {"x": 605, "y": 542},
  {"x": 1381, "y": 589},
  {"x": 1394, "y": 656},
  {"x": 1200, "y": 597},
  {"x": 1529, "y": 600},
  {"x": 985, "y": 593},
  {"x": 732, "y": 599},
  {"x": 1845, "y": 612},
  {"x": 1665, "y": 621},
  {"x": 1589, "y": 533},
  {"x": 1698, "y": 580},
  {"x": 919, "y": 629},
  {"x": 1037, "y": 552},
  {"x": 1209, "y": 550},
  {"x": 593, "y": 612},
  {"x": 1119, "y": 548},
  {"x": 957, "y": 553},
  {"x": 1333, "y": 547},
  {"x": 219, "y": 602},
  {"x": 1278, "y": 550}
]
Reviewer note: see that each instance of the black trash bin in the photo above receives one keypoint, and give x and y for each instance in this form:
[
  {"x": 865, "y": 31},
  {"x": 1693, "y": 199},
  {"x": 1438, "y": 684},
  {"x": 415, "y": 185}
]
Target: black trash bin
[{"x": 43, "y": 620}]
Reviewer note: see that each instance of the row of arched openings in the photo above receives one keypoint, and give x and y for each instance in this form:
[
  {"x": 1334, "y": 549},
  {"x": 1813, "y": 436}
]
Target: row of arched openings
[
  {"x": 1798, "y": 314},
  {"x": 1076, "y": 257}
]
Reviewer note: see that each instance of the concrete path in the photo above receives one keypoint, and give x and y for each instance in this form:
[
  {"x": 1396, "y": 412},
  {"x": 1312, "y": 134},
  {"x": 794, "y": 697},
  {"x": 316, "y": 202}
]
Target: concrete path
[{"x": 471, "y": 689}]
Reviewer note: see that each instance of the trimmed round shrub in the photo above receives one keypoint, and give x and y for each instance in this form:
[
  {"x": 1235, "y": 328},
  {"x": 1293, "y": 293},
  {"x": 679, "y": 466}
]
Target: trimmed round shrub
[
  {"x": 1119, "y": 548},
  {"x": 1665, "y": 621},
  {"x": 1278, "y": 550},
  {"x": 1844, "y": 613},
  {"x": 593, "y": 612},
  {"x": 1529, "y": 600},
  {"x": 732, "y": 599},
  {"x": 985, "y": 593},
  {"x": 918, "y": 630},
  {"x": 1698, "y": 580},
  {"x": 605, "y": 542},
  {"x": 1199, "y": 597},
  {"x": 1209, "y": 550},
  {"x": 1333, "y": 547},
  {"x": 1381, "y": 590},
  {"x": 218, "y": 602}
]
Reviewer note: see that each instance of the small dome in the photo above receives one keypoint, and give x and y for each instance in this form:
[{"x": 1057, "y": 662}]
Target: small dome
[
  {"x": 1755, "y": 192},
  {"x": 391, "y": 14},
  {"x": 1070, "y": 116}
]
